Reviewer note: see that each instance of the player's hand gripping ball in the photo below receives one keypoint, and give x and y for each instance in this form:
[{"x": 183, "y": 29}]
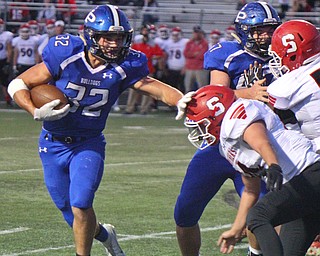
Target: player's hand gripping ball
[
  {"x": 46, "y": 93},
  {"x": 51, "y": 104}
]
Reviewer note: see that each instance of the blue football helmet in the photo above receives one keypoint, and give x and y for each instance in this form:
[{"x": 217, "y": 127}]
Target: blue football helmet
[
  {"x": 256, "y": 17},
  {"x": 111, "y": 24}
]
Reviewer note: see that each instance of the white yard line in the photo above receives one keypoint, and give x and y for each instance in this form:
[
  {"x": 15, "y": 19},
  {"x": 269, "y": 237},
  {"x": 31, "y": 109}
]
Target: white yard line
[
  {"x": 14, "y": 230},
  {"x": 107, "y": 165},
  {"x": 160, "y": 235}
]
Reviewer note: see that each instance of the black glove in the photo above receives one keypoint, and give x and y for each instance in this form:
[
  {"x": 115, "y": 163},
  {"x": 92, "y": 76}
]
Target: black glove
[{"x": 274, "y": 177}]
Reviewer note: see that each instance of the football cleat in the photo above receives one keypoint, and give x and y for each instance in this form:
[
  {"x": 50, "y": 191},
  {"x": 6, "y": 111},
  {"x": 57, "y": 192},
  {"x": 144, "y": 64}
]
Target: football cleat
[
  {"x": 253, "y": 254},
  {"x": 111, "y": 244}
]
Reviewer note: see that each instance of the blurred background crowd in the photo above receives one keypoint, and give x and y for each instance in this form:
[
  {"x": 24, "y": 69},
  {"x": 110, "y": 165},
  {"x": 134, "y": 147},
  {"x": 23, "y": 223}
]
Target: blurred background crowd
[{"x": 163, "y": 31}]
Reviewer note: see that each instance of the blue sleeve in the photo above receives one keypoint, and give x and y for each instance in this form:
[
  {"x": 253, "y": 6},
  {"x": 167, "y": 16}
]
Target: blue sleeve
[
  {"x": 136, "y": 67},
  {"x": 58, "y": 50},
  {"x": 215, "y": 58}
]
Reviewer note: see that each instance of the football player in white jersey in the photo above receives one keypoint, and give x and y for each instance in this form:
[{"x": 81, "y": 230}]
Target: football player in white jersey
[
  {"x": 163, "y": 35},
  {"x": 25, "y": 52},
  {"x": 175, "y": 59},
  {"x": 295, "y": 51},
  {"x": 34, "y": 29},
  {"x": 254, "y": 140},
  {"x": 5, "y": 58}
]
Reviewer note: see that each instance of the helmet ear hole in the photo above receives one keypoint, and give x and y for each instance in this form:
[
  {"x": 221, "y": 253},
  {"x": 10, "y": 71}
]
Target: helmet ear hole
[{"x": 293, "y": 57}]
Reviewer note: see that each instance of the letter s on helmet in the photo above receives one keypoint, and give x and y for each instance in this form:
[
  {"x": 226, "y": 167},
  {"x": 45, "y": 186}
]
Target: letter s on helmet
[
  {"x": 293, "y": 44},
  {"x": 205, "y": 112}
]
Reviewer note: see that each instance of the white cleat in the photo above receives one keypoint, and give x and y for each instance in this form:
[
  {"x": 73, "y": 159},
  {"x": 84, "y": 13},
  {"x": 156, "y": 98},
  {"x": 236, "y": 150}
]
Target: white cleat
[{"x": 111, "y": 244}]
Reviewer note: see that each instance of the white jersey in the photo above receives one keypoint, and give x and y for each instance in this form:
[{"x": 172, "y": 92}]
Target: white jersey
[
  {"x": 5, "y": 38},
  {"x": 299, "y": 91},
  {"x": 294, "y": 151},
  {"x": 43, "y": 42},
  {"x": 174, "y": 50},
  {"x": 26, "y": 49},
  {"x": 161, "y": 42}
]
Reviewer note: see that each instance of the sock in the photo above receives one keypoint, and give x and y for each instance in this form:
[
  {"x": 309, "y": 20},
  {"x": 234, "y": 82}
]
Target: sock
[
  {"x": 102, "y": 236},
  {"x": 254, "y": 252}
]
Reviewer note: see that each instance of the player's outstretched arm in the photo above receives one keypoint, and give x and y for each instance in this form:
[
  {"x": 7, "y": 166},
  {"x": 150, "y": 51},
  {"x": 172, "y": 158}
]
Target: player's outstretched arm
[{"x": 159, "y": 90}]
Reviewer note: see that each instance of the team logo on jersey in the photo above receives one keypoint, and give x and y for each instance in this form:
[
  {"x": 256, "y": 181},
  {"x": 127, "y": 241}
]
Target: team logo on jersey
[
  {"x": 239, "y": 113},
  {"x": 45, "y": 149},
  {"x": 105, "y": 75}
]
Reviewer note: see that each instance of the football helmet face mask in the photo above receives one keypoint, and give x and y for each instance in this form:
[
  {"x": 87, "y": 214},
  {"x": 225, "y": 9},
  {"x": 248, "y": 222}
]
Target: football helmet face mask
[
  {"x": 176, "y": 34},
  {"x": 50, "y": 27},
  {"x": 293, "y": 44},
  {"x": 152, "y": 32},
  {"x": 24, "y": 31},
  {"x": 205, "y": 112},
  {"x": 34, "y": 27},
  {"x": 164, "y": 32},
  {"x": 254, "y": 25},
  {"x": 108, "y": 33}
]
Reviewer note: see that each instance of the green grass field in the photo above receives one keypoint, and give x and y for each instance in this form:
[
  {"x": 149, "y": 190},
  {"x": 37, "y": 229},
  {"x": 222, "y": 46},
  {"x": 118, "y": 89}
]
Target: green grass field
[{"x": 146, "y": 160}]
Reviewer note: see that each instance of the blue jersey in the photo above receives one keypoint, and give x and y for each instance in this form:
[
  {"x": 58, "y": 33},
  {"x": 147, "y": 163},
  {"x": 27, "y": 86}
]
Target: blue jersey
[
  {"x": 91, "y": 91},
  {"x": 232, "y": 58}
]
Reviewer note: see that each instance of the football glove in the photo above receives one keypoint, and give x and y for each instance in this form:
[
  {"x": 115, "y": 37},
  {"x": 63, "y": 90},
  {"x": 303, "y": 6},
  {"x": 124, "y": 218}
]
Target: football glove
[
  {"x": 274, "y": 177},
  {"x": 253, "y": 74},
  {"x": 182, "y": 104},
  {"x": 48, "y": 113}
]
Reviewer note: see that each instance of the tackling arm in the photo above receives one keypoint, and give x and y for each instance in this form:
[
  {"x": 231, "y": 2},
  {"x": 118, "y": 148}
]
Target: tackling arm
[{"x": 159, "y": 90}]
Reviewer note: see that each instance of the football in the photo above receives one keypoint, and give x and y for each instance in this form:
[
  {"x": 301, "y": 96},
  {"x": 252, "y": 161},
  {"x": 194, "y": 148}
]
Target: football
[{"x": 45, "y": 93}]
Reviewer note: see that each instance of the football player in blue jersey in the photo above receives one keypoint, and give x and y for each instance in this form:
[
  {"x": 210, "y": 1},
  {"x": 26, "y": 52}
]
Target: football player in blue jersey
[
  {"x": 208, "y": 170},
  {"x": 92, "y": 71}
]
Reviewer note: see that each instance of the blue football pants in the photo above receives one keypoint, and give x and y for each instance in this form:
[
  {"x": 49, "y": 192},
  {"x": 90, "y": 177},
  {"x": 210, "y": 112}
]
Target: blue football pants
[
  {"x": 72, "y": 172},
  {"x": 205, "y": 175}
]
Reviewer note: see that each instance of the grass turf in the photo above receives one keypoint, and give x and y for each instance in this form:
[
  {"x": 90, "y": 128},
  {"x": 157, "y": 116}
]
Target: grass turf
[{"x": 146, "y": 160}]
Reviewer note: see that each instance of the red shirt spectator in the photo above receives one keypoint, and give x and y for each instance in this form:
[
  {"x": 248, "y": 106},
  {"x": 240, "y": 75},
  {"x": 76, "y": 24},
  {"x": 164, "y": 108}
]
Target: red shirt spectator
[
  {"x": 151, "y": 51},
  {"x": 195, "y": 50}
]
